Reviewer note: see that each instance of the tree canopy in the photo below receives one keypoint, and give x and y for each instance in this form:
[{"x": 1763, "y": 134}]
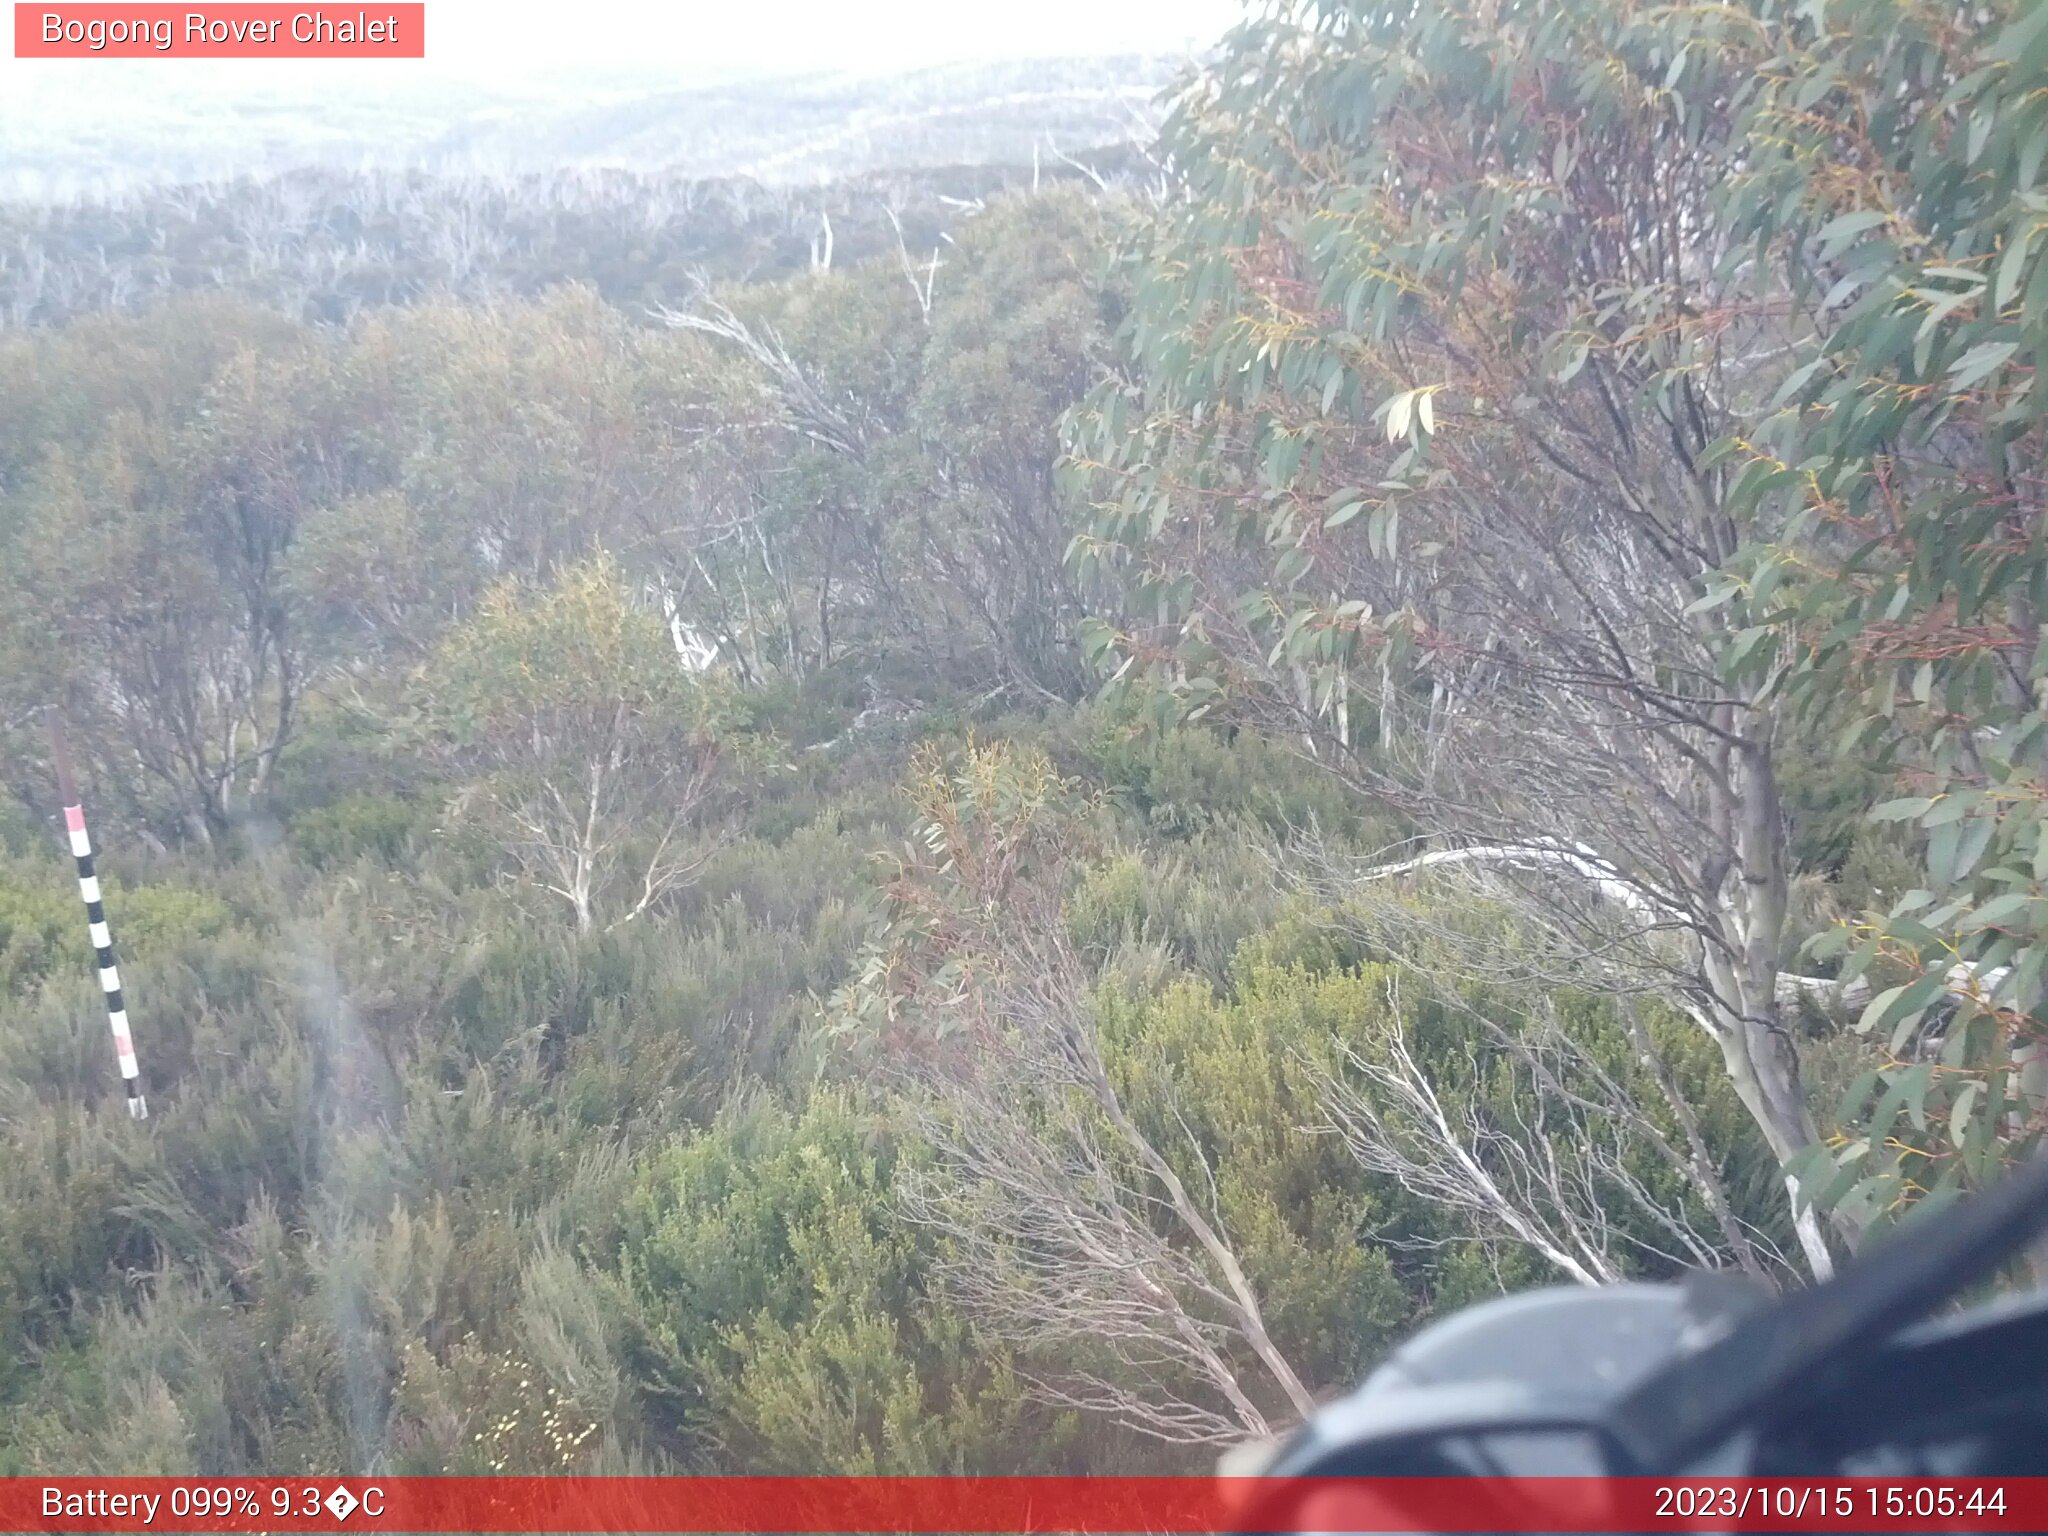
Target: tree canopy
[{"x": 1509, "y": 408}]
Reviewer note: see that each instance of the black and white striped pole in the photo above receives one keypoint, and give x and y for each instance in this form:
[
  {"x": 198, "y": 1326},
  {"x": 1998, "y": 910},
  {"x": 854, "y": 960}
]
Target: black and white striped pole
[{"x": 96, "y": 919}]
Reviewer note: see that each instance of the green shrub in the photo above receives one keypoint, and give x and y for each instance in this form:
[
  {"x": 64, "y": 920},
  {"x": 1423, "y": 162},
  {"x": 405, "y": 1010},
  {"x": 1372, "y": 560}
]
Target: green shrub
[{"x": 378, "y": 827}]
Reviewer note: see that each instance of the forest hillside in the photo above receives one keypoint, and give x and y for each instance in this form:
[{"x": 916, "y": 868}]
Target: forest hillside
[{"x": 1005, "y": 820}]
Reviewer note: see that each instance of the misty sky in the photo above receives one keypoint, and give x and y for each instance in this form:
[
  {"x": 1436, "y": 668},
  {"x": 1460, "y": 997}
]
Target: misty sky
[
  {"x": 686, "y": 39},
  {"x": 812, "y": 34}
]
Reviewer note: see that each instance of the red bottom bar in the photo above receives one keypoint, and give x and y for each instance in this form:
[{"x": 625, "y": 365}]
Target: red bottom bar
[{"x": 928, "y": 1506}]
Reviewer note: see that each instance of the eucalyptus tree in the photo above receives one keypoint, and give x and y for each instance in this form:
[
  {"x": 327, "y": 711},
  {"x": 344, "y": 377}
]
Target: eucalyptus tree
[
  {"x": 1893, "y": 167},
  {"x": 146, "y": 539},
  {"x": 593, "y": 749},
  {"x": 1427, "y": 452}
]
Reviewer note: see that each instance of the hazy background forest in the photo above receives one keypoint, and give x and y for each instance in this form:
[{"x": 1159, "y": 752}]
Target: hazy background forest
[{"x": 1001, "y": 806}]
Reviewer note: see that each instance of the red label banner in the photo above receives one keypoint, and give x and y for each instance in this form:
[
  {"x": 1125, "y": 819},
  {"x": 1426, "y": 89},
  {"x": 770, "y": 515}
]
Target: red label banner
[
  {"x": 930, "y": 1506},
  {"x": 233, "y": 31}
]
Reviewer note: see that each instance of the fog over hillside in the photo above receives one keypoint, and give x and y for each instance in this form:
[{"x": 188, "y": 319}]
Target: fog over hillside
[
  {"x": 323, "y": 185},
  {"x": 56, "y": 141},
  {"x": 808, "y": 93}
]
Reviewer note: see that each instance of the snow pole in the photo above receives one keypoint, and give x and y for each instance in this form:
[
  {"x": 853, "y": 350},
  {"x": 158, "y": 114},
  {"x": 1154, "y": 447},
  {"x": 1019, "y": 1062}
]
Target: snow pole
[{"x": 96, "y": 921}]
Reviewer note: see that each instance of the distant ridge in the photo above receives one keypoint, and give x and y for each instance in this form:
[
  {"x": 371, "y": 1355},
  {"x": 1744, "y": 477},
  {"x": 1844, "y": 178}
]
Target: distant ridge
[{"x": 799, "y": 130}]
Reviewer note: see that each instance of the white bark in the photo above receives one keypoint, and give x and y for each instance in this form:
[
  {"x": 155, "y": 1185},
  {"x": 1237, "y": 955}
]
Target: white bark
[
  {"x": 1069, "y": 1230},
  {"x": 1553, "y": 1171}
]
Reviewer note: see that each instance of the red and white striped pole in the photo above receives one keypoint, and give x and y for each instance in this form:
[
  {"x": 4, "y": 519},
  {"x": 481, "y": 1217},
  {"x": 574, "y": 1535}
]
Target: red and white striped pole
[{"x": 96, "y": 920}]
